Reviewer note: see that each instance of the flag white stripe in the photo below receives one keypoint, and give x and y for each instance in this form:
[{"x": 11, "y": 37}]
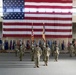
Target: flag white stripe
[
  {"x": 58, "y": 27},
  {"x": 37, "y": 27},
  {"x": 39, "y": 21},
  {"x": 46, "y": 10},
  {"x": 48, "y": 4},
  {"x": 37, "y": 33},
  {"x": 49, "y": 15}
]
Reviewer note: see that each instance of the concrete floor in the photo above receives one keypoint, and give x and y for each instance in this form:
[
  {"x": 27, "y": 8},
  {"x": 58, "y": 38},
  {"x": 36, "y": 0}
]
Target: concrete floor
[{"x": 10, "y": 65}]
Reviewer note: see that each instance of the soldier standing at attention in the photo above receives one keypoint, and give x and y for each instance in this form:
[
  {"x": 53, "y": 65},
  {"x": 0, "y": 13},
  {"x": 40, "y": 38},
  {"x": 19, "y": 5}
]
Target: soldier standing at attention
[
  {"x": 46, "y": 54},
  {"x": 75, "y": 49},
  {"x": 21, "y": 53},
  {"x": 71, "y": 50},
  {"x": 23, "y": 48},
  {"x": 56, "y": 53},
  {"x": 37, "y": 54}
]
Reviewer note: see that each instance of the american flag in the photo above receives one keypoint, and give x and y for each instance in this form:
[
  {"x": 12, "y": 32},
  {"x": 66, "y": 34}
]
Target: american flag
[{"x": 20, "y": 14}]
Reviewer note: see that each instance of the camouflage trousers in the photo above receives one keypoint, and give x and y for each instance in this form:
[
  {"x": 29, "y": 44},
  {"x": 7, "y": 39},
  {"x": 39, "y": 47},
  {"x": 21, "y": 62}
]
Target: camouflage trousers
[
  {"x": 46, "y": 60},
  {"x": 16, "y": 53},
  {"x": 56, "y": 57},
  {"x": 52, "y": 52},
  {"x": 75, "y": 53},
  {"x": 32, "y": 57},
  {"x": 71, "y": 53},
  {"x": 37, "y": 60},
  {"x": 43, "y": 57},
  {"x": 20, "y": 56}
]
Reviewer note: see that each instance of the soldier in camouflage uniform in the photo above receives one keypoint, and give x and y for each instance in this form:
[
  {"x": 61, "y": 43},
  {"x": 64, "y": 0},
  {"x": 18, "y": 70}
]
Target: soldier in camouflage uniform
[
  {"x": 46, "y": 54},
  {"x": 56, "y": 53},
  {"x": 37, "y": 54},
  {"x": 32, "y": 52},
  {"x": 21, "y": 53},
  {"x": 68, "y": 45},
  {"x": 16, "y": 50},
  {"x": 23, "y": 48},
  {"x": 43, "y": 54},
  {"x": 71, "y": 50},
  {"x": 75, "y": 49},
  {"x": 52, "y": 49}
]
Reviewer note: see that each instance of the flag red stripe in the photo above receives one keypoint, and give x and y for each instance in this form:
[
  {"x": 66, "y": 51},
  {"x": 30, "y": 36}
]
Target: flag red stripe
[
  {"x": 53, "y": 7},
  {"x": 57, "y": 1},
  {"x": 34, "y": 24},
  {"x": 46, "y": 18},
  {"x": 37, "y": 36}
]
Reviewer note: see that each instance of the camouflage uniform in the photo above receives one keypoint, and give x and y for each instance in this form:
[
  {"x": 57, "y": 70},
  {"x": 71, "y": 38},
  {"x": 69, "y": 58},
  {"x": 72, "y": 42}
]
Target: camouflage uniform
[
  {"x": 46, "y": 55},
  {"x": 71, "y": 50},
  {"x": 23, "y": 49},
  {"x": 16, "y": 50},
  {"x": 56, "y": 53},
  {"x": 32, "y": 52},
  {"x": 53, "y": 48},
  {"x": 3, "y": 45},
  {"x": 43, "y": 54},
  {"x": 75, "y": 50},
  {"x": 21, "y": 53},
  {"x": 37, "y": 54}
]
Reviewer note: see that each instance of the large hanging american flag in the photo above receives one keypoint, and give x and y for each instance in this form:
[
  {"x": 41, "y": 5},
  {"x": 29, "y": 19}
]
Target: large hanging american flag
[{"x": 19, "y": 15}]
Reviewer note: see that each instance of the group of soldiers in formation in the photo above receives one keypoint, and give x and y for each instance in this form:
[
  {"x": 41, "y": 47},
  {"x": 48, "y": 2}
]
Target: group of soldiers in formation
[
  {"x": 36, "y": 52},
  {"x": 44, "y": 50}
]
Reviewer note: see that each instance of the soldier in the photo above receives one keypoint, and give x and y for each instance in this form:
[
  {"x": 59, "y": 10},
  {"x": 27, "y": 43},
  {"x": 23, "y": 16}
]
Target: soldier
[
  {"x": 75, "y": 49},
  {"x": 43, "y": 54},
  {"x": 71, "y": 50},
  {"x": 56, "y": 53},
  {"x": 21, "y": 53},
  {"x": 3, "y": 45},
  {"x": 63, "y": 45},
  {"x": 16, "y": 50},
  {"x": 53, "y": 48},
  {"x": 73, "y": 42},
  {"x": 32, "y": 52},
  {"x": 41, "y": 44},
  {"x": 23, "y": 48},
  {"x": 69, "y": 47},
  {"x": 0, "y": 44},
  {"x": 46, "y": 54},
  {"x": 37, "y": 54}
]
